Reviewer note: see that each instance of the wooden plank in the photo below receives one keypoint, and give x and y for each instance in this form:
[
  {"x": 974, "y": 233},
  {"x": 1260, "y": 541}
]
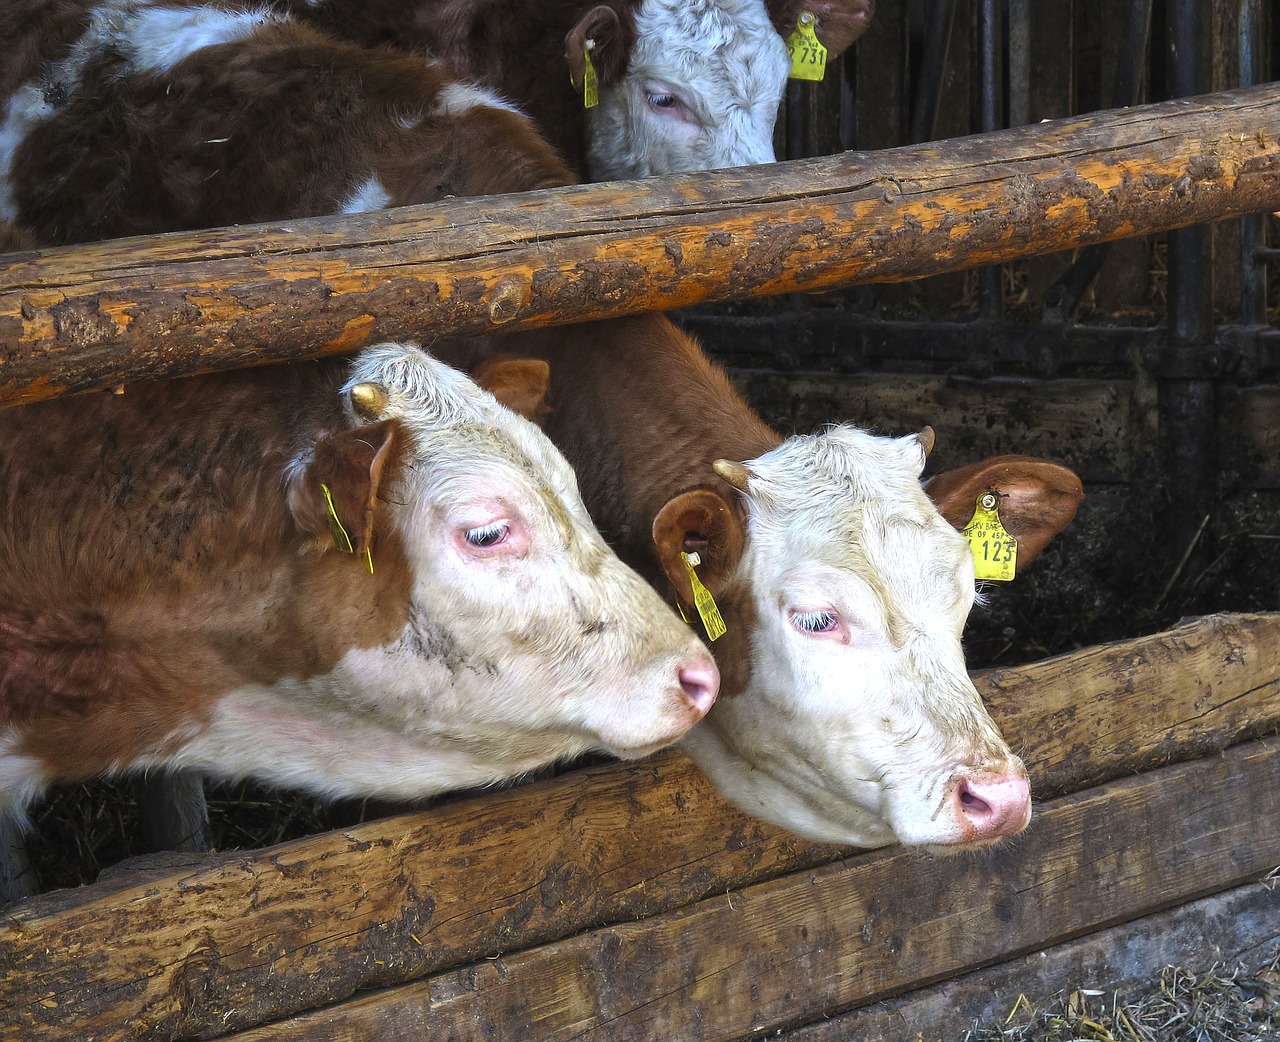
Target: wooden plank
[
  {"x": 1242, "y": 924},
  {"x": 793, "y": 950},
  {"x": 103, "y": 315},
  {"x": 309, "y": 922}
]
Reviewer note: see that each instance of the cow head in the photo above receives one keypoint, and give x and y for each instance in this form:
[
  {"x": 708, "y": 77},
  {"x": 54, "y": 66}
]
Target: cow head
[
  {"x": 526, "y": 639},
  {"x": 686, "y": 85},
  {"x": 848, "y": 713}
]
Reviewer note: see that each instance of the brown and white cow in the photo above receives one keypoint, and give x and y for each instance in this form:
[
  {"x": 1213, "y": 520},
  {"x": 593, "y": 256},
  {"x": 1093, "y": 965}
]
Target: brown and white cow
[
  {"x": 683, "y": 84},
  {"x": 851, "y": 717},
  {"x": 364, "y": 578}
]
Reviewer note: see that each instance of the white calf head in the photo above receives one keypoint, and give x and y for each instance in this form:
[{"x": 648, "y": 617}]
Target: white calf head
[
  {"x": 701, "y": 86},
  {"x": 857, "y": 722},
  {"x": 527, "y": 639}
]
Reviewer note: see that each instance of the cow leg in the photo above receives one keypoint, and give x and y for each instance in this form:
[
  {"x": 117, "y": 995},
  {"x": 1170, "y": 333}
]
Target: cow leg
[
  {"x": 17, "y": 878},
  {"x": 174, "y": 814}
]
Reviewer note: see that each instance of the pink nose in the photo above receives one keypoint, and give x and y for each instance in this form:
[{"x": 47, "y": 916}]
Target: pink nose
[
  {"x": 699, "y": 684},
  {"x": 992, "y": 805}
]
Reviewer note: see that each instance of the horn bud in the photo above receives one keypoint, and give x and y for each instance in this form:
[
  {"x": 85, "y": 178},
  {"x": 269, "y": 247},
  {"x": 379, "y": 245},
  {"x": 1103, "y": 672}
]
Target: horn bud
[
  {"x": 736, "y": 474},
  {"x": 369, "y": 401}
]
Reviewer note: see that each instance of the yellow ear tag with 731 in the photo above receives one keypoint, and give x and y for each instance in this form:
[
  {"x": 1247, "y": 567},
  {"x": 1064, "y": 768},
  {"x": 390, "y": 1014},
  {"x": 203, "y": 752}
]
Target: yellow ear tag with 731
[
  {"x": 590, "y": 84},
  {"x": 339, "y": 533},
  {"x": 703, "y": 600},
  {"x": 808, "y": 56},
  {"x": 995, "y": 551}
]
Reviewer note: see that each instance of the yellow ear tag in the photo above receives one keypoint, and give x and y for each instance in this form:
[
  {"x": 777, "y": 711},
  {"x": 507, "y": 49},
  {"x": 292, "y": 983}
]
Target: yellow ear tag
[
  {"x": 703, "y": 601},
  {"x": 995, "y": 551},
  {"x": 808, "y": 56},
  {"x": 590, "y": 85},
  {"x": 340, "y": 538}
]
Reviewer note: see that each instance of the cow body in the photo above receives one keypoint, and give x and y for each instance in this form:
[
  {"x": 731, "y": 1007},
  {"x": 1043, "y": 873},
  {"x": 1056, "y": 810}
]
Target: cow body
[
  {"x": 173, "y": 593},
  {"x": 851, "y": 718}
]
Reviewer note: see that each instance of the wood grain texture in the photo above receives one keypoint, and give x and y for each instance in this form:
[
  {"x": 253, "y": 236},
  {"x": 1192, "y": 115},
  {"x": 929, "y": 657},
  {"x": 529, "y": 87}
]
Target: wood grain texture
[
  {"x": 104, "y": 315},
  {"x": 796, "y": 949},
  {"x": 242, "y": 938}
]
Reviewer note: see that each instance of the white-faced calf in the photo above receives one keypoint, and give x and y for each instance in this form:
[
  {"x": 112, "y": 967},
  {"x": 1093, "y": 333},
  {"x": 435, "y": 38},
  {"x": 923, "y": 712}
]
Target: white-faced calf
[
  {"x": 846, "y": 714},
  {"x": 682, "y": 84},
  {"x": 351, "y": 579}
]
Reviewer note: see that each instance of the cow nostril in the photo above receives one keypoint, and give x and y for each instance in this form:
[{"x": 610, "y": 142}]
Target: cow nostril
[
  {"x": 993, "y": 805},
  {"x": 974, "y": 805},
  {"x": 699, "y": 685}
]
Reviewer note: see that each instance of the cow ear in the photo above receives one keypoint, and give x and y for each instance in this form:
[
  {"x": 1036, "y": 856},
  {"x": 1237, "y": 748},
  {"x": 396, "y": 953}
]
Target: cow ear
[
  {"x": 611, "y": 39},
  {"x": 1038, "y": 499},
  {"x": 699, "y": 521},
  {"x": 335, "y": 497},
  {"x": 521, "y": 384},
  {"x": 838, "y": 22}
]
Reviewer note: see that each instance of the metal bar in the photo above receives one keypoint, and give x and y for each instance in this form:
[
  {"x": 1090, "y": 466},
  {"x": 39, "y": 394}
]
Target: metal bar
[
  {"x": 1253, "y": 257},
  {"x": 990, "y": 278},
  {"x": 933, "y": 61},
  {"x": 1187, "y": 404}
]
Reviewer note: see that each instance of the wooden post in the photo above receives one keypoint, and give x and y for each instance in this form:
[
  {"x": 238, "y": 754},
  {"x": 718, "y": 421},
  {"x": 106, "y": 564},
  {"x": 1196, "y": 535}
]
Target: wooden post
[{"x": 104, "y": 315}]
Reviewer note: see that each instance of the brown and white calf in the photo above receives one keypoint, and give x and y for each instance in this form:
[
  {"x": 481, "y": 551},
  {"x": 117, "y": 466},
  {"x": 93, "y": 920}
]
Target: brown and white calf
[
  {"x": 683, "y": 84},
  {"x": 363, "y": 578},
  {"x": 851, "y": 718}
]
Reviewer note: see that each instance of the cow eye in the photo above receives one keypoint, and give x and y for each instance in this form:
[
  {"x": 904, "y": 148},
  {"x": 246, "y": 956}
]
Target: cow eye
[
  {"x": 815, "y": 621},
  {"x": 661, "y": 100},
  {"x": 488, "y": 535}
]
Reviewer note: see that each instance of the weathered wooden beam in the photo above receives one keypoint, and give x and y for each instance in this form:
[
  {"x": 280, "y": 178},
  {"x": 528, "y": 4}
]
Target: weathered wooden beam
[
  {"x": 1243, "y": 923},
  {"x": 237, "y": 939},
  {"x": 796, "y": 949},
  {"x": 104, "y": 315}
]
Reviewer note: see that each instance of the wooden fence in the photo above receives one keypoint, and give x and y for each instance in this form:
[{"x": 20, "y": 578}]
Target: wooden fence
[{"x": 630, "y": 902}]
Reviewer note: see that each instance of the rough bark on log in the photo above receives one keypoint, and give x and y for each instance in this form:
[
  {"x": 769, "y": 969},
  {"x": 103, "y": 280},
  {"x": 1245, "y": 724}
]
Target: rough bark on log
[
  {"x": 793, "y": 950},
  {"x": 103, "y": 315},
  {"x": 248, "y": 937}
]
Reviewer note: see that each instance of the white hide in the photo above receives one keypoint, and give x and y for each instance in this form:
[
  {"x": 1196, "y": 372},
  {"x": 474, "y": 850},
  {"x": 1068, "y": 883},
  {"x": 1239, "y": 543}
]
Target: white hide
[
  {"x": 701, "y": 91},
  {"x": 540, "y": 646},
  {"x": 859, "y": 717}
]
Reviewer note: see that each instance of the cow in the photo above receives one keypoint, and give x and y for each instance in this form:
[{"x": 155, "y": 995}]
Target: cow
[
  {"x": 682, "y": 84},
  {"x": 359, "y": 577},
  {"x": 848, "y": 715}
]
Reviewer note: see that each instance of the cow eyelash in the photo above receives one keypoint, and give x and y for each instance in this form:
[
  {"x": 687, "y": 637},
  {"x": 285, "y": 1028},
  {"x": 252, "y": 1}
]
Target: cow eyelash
[
  {"x": 487, "y": 535},
  {"x": 663, "y": 100},
  {"x": 814, "y": 621}
]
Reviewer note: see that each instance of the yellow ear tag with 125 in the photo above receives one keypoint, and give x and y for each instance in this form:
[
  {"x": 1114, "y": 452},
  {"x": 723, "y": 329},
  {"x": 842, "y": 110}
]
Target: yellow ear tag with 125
[
  {"x": 339, "y": 533},
  {"x": 808, "y": 56},
  {"x": 703, "y": 600},
  {"x": 590, "y": 84},
  {"x": 995, "y": 551}
]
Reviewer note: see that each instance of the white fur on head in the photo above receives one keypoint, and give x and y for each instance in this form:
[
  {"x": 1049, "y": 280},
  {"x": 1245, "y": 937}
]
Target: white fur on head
[{"x": 701, "y": 91}]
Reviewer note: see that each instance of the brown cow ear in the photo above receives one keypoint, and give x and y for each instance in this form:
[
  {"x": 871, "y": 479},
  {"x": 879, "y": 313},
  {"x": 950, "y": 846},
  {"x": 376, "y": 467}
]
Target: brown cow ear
[
  {"x": 335, "y": 498},
  {"x": 699, "y": 521},
  {"x": 521, "y": 384},
  {"x": 611, "y": 46},
  {"x": 839, "y": 22},
  {"x": 1038, "y": 499}
]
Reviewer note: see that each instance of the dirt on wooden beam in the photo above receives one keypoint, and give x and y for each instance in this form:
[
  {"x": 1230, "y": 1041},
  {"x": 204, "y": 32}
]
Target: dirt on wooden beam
[
  {"x": 104, "y": 315},
  {"x": 229, "y": 941}
]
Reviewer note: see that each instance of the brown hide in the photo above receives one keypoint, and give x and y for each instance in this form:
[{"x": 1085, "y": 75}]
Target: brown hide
[
  {"x": 286, "y": 124},
  {"x": 515, "y": 47},
  {"x": 149, "y": 560}
]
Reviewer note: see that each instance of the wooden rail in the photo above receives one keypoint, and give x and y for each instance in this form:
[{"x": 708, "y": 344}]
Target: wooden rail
[
  {"x": 104, "y": 315},
  {"x": 235, "y": 940}
]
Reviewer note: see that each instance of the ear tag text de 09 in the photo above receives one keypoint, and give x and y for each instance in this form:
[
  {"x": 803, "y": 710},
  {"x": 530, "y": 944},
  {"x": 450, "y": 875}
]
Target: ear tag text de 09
[
  {"x": 704, "y": 601},
  {"x": 339, "y": 533},
  {"x": 995, "y": 551},
  {"x": 590, "y": 84},
  {"x": 808, "y": 56}
]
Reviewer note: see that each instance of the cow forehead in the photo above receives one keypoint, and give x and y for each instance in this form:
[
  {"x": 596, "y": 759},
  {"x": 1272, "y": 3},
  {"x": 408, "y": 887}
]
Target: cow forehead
[
  {"x": 730, "y": 42},
  {"x": 457, "y": 425}
]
